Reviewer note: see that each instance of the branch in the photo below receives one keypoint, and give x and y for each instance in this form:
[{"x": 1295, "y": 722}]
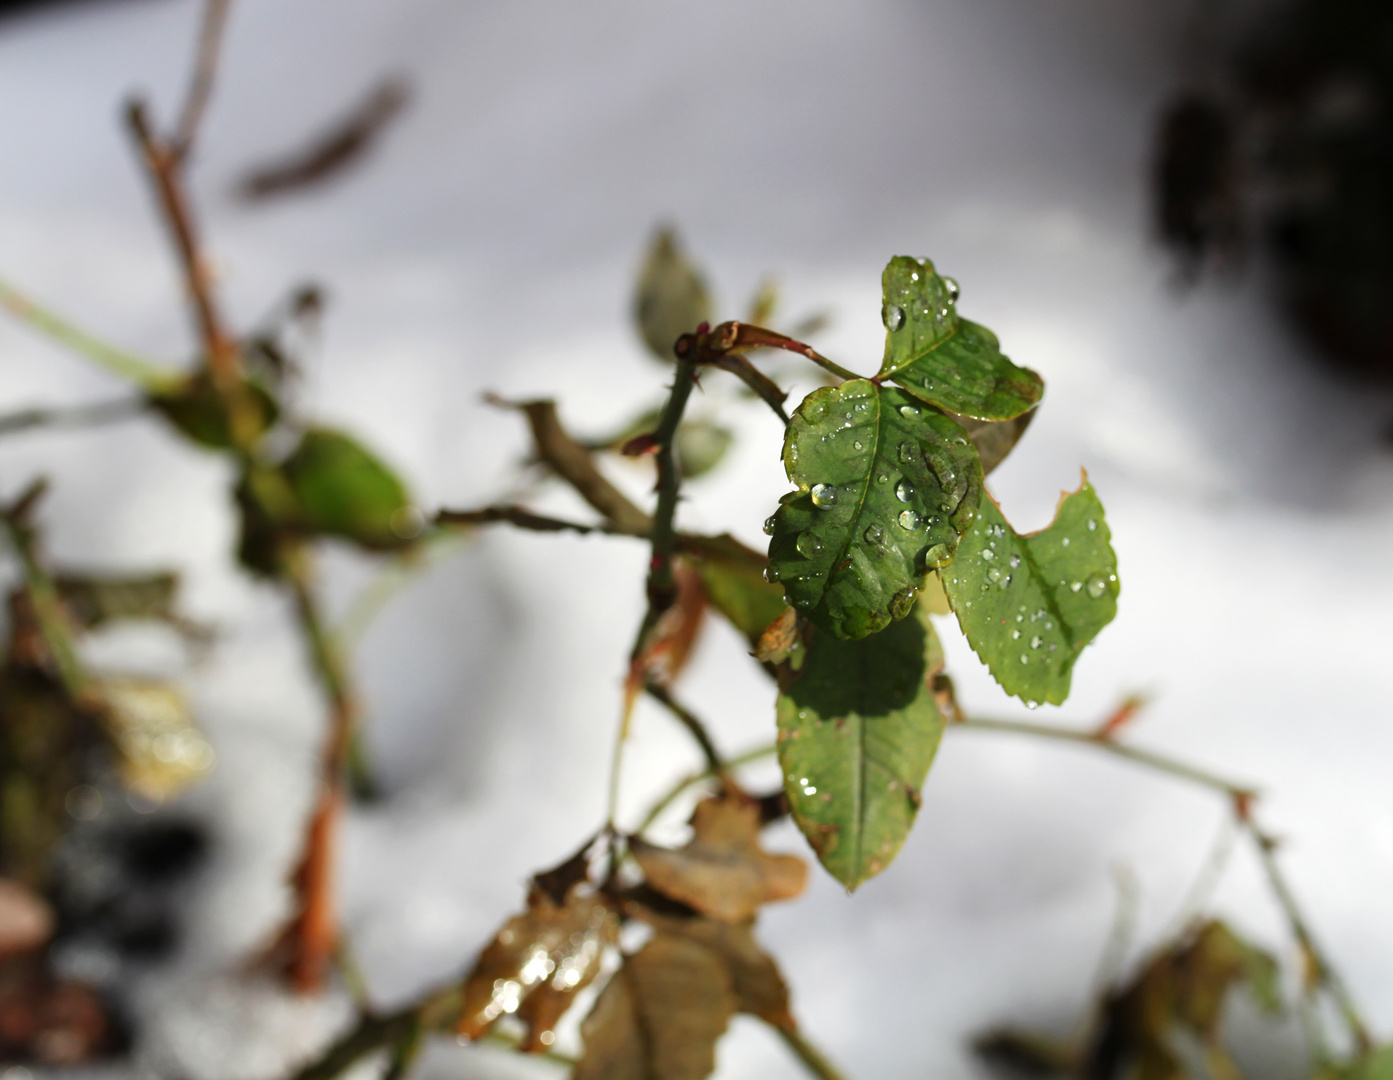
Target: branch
[
  {"x": 738, "y": 337},
  {"x": 689, "y": 720},
  {"x": 201, "y": 87},
  {"x": 75, "y": 416},
  {"x": 808, "y": 1054},
  {"x": 149, "y": 376}
]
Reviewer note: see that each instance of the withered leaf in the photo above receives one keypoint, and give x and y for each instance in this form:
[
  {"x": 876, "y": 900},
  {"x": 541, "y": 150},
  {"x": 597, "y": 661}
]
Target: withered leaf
[
  {"x": 551, "y": 946},
  {"x": 660, "y": 1015},
  {"x": 722, "y": 872},
  {"x": 759, "y": 986}
]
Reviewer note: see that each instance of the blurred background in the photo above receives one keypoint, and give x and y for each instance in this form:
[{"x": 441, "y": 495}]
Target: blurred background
[{"x": 1178, "y": 218}]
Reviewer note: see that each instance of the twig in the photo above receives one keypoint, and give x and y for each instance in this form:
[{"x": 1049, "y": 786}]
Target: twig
[
  {"x": 808, "y": 1054},
  {"x": 143, "y": 373},
  {"x": 75, "y": 416},
  {"x": 1241, "y": 798},
  {"x": 693, "y": 724},
  {"x": 688, "y": 782},
  {"x": 1160, "y": 762},
  {"x": 163, "y": 165},
  {"x": 201, "y": 86},
  {"x": 312, "y": 934}
]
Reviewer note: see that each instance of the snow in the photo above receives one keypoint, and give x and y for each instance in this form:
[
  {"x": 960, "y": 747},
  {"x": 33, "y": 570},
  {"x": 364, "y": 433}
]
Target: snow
[{"x": 490, "y": 243}]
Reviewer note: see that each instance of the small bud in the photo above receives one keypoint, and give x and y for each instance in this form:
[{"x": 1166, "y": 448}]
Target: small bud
[{"x": 647, "y": 443}]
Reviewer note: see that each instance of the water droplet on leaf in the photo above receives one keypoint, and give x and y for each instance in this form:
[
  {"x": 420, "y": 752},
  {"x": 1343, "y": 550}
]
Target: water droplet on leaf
[
  {"x": 904, "y": 491},
  {"x": 893, "y": 317},
  {"x": 824, "y": 496},
  {"x": 769, "y": 525},
  {"x": 808, "y": 545},
  {"x": 1097, "y": 586},
  {"x": 908, "y": 519}
]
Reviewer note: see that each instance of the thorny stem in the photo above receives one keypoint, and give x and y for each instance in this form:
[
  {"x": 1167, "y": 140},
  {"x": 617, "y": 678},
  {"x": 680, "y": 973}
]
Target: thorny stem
[
  {"x": 662, "y": 586},
  {"x": 1241, "y": 798},
  {"x": 134, "y": 369}
]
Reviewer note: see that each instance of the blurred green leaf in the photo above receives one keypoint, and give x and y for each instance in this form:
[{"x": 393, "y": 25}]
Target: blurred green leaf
[
  {"x": 858, "y": 730},
  {"x": 737, "y": 589},
  {"x": 197, "y": 411},
  {"x": 671, "y": 298},
  {"x": 1030, "y": 604},
  {"x": 343, "y": 490},
  {"x": 941, "y": 357},
  {"x": 1376, "y": 1065},
  {"x": 886, "y": 487},
  {"x": 701, "y": 446}
]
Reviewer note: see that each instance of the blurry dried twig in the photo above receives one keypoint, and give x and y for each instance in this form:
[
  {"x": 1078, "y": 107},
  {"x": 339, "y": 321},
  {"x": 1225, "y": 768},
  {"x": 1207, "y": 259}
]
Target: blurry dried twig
[
  {"x": 335, "y": 150},
  {"x": 205, "y": 69}
]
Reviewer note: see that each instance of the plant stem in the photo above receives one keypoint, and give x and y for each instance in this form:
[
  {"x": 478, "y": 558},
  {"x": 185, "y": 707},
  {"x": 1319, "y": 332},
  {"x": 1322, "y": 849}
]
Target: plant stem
[
  {"x": 809, "y": 1055},
  {"x": 201, "y": 86},
  {"x": 1159, "y": 762},
  {"x": 690, "y": 721},
  {"x": 1241, "y": 798},
  {"x": 143, "y": 373},
  {"x": 682, "y": 786},
  {"x": 75, "y": 416}
]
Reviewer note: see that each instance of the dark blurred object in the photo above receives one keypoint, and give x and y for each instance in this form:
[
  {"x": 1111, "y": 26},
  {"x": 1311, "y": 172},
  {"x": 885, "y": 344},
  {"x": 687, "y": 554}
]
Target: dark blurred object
[
  {"x": 1292, "y": 146},
  {"x": 1196, "y": 205},
  {"x": 335, "y": 150}
]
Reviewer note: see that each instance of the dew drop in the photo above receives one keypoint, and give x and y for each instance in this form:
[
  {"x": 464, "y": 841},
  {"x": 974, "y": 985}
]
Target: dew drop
[
  {"x": 1020, "y": 618},
  {"x": 1092, "y": 524},
  {"x": 769, "y": 525},
  {"x": 1015, "y": 635},
  {"x": 1032, "y": 704},
  {"x": 874, "y": 534},
  {"x": 952, "y": 287},
  {"x": 1024, "y": 659},
  {"x": 1097, "y": 586},
  {"x": 994, "y": 574},
  {"x": 988, "y": 554},
  {"x": 1075, "y": 586},
  {"x": 908, "y": 452},
  {"x": 824, "y": 496},
  {"x": 1064, "y": 542},
  {"x": 883, "y": 478},
  {"x": 904, "y": 491},
  {"x": 1036, "y": 641},
  {"x": 908, "y": 519},
  {"x": 808, "y": 545},
  {"x": 857, "y": 445},
  {"x": 909, "y": 412},
  {"x": 893, "y": 317},
  {"x": 938, "y": 555},
  {"x": 1015, "y": 561},
  {"x": 771, "y": 574}
]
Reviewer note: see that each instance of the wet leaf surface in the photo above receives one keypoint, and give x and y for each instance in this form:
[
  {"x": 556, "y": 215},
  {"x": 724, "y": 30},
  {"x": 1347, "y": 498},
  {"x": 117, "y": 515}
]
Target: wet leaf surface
[
  {"x": 858, "y": 730},
  {"x": 722, "y": 872},
  {"x": 550, "y": 948},
  {"x": 660, "y": 1015},
  {"x": 942, "y": 358},
  {"x": 886, "y": 489},
  {"x": 1030, "y": 604},
  {"x": 671, "y": 299}
]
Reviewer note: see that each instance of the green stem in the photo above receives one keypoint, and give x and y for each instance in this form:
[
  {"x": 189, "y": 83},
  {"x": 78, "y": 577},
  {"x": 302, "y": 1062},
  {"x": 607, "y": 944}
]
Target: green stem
[
  {"x": 76, "y": 416},
  {"x": 1241, "y": 798},
  {"x": 693, "y": 724},
  {"x": 687, "y": 783},
  {"x": 809, "y": 1055},
  {"x": 1159, "y": 762},
  {"x": 150, "y": 377}
]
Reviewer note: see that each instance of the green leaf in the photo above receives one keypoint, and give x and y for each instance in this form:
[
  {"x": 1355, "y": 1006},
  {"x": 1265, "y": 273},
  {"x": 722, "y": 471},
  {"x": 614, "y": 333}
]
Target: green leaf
[
  {"x": 942, "y": 358},
  {"x": 343, "y": 490},
  {"x": 671, "y": 299},
  {"x": 1029, "y": 604},
  {"x": 196, "y": 410},
  {"x": 701, "y": 445},
  {"x": 858, "y": 729},
  {"x": 1376, "y": 1065},
  {"x": 737, "y": 590},
  {"x": 886, "y": 487}
]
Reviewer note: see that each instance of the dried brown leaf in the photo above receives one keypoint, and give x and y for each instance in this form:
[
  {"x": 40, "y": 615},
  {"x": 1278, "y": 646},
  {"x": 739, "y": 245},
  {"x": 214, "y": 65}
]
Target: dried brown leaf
[
  {"x": 778, "y": 639},
  {"x": 660, "y": 1015},
  {"x": 549, "y": 945},
  {"x": 722, "y": 872}
]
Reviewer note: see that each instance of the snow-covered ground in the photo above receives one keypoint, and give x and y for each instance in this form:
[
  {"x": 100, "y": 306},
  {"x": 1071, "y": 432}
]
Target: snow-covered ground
[{"x": 491, "y": 244}]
